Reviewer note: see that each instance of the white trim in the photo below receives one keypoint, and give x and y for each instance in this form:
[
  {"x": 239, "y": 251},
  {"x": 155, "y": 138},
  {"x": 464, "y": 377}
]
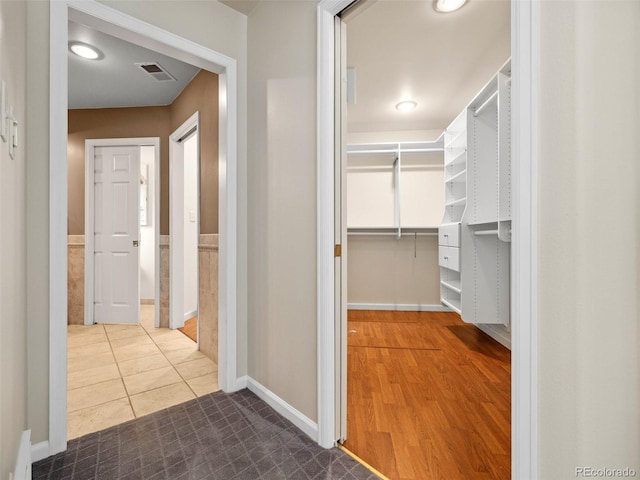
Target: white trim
[
  {"x": 89, "y": 197},
  {"x": 498, "y": 332},
  {"x": 400, "y": 307},
  {"x": 22, "y": 470},
  {"x": 525, "y": 44},
  {"x": 295, "y": 416},
  {"x": 119, "y": 24},
  {"x": 191, "y": 314},
  {"x": 525, "y": 67},
  {"x": 176, "y": 218},
  {"x": 241, "y": 383},
  {"x": 39, "y": 451}
]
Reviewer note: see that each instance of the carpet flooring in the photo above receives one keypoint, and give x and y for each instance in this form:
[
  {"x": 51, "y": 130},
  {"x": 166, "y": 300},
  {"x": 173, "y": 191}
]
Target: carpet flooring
[{"x": 218, "y": 436}]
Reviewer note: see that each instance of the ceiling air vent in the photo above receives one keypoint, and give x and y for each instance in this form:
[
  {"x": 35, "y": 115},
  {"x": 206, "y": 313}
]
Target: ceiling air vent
[{"x": 156, "y": 71}]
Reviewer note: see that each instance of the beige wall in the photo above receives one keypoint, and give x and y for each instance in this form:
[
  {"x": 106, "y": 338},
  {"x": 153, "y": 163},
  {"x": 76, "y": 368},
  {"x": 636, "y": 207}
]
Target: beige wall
[
  {"x": 114, "y": 123},
  {"x": 282, "y": 201},
  {"x": 589, "y": 246},
  {"x": 383, "y": 270},
  {"x": 201, "y": 94},
  {"x": 13, "y": 253},
  {"x": 207, "y": 22}
]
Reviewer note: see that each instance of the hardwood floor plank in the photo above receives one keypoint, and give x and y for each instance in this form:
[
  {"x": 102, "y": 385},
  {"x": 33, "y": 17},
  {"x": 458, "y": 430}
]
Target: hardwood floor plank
[{"x": 428, "y": 397}]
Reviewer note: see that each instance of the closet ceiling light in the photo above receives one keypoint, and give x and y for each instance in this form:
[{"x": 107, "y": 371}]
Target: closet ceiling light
[
  {"x": 85, "y": 50},
  {"x": 446, "y": 6},
  {"x": 406, "y": 106}
]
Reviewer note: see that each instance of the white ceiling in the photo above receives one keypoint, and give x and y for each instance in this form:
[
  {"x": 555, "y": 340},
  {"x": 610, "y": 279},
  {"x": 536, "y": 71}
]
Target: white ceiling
[
  {"x": 406, "y": 50},
  {"x": 115, "y": 80}
]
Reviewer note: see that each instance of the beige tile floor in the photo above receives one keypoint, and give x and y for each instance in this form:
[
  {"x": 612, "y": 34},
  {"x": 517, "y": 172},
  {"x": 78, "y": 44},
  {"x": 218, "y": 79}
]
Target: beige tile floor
[{"x": 120, "y": 372}]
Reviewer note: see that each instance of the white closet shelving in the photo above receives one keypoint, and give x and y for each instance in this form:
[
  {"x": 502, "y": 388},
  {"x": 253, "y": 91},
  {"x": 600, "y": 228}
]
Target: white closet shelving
[
  {"x": 393, "y": 173},
  {"x": 475, "y": 265}
]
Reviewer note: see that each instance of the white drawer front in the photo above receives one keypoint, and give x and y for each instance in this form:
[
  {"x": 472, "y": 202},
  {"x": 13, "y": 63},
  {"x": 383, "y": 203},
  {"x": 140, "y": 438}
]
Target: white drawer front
[
  {"x": 449, "y": 257},
  {"x": 449, "y": 235}
]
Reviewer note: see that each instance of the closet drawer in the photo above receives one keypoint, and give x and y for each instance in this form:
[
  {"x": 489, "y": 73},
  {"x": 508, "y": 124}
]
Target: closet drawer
[
  {"x": 449, "y": 235},
  {"x": 449, "y": 257}
]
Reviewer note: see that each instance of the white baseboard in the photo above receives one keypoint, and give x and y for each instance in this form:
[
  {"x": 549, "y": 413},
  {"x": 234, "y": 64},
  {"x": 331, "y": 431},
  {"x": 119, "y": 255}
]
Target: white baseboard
[
  {"x": 189, "y": 315},
  {"x": 39, "y": 451},
  {"x": 402, "y": 307},
  {"x": 22, "y": 470},
  {"x": 498, "y": 332},
  {"x": 296, "y": 417}
]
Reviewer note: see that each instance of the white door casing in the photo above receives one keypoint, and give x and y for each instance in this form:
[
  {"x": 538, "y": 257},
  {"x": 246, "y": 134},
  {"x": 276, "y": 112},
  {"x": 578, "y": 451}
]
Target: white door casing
[
  {"x": 114, "y": 22},
  {"x": 116, "y": 234}
]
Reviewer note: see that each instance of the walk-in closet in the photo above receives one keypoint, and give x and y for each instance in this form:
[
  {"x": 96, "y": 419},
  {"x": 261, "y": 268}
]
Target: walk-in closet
[{"x": 428, "y": 250}]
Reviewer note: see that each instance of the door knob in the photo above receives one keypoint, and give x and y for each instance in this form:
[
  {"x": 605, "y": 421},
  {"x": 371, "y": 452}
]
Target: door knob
[{"x": 136, "y": 243}]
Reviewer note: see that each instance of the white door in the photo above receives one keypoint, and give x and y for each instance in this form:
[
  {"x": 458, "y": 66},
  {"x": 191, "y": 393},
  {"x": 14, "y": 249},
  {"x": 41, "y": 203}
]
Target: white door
[
  {"x": 116, "y": 234},
  {"x": 341, "y": 231}
]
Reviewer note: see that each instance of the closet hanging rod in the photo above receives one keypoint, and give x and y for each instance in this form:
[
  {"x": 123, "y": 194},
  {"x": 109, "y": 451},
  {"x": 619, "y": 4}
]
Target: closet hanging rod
[
  {"x": 486, "y": 232},
  {"x": 394, "y": 152},
  {"x": 484, "y": 105},
  {"x": 391, "y": 234}
]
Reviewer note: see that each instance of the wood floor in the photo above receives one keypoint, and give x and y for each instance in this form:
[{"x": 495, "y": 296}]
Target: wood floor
[
  {"x": 429, "y": 397},
  {"x": 190, "y": 328}
]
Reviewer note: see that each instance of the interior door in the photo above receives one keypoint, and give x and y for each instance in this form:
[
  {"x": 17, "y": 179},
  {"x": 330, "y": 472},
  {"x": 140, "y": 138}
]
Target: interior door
[
  {"x": 341, "y": 227},
  {"x": 116, "y": 234}
]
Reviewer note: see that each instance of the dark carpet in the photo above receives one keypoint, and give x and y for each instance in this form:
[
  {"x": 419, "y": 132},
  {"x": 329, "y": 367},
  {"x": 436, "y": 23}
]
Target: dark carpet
[{"x": 219, "y": 436}]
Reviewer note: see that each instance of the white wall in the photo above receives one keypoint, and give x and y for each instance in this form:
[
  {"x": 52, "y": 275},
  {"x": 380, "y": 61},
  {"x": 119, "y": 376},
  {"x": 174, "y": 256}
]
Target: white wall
[
  {"x": 191, "y": 233},
  {"x": 13, "y": 254},
  {"x": 282, "y": 201},
  {"x": 206, "y": 22},
  {"x": 589, "y": 245},
  {"x": 147, "y": 232}
]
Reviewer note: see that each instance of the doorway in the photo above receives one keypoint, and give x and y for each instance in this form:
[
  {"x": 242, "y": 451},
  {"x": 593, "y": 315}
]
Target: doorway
[
  {"x": 525, "y": 35},
  {"x": 184, "y": 200},
  {"x": 116, "y": 23}
]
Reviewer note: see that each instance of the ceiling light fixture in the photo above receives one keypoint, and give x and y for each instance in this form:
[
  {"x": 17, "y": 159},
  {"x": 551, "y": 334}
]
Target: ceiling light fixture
[
  {"x": 85, "y": 50},
  {"x": 406, "y": 106},
  {"x": 446, "y": 6}
]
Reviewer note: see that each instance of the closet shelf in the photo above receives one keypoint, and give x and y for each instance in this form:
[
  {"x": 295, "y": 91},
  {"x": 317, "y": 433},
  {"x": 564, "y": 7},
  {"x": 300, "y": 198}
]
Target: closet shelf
[
  {"x": 483, "y": 222},
  {"x": 457, "y": 159},
  {"x": 458, "y": 177},
  {"x": 453, "y": 285},
  {"x": 451, "y": 306},
  {"x": 454, "y": 140},
  {"x": 456, "y": 203}
]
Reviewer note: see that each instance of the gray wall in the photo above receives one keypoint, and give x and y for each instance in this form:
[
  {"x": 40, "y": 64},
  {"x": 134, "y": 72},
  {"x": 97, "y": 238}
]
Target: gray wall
[{"x": 13, "y": 252}]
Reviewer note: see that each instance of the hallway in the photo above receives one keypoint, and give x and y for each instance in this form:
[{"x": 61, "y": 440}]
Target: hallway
[
  {"x": 428, "y": 397},
  {"x": 120, "y": 372}
]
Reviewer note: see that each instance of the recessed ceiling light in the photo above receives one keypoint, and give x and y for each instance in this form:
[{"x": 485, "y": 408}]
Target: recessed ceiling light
[
  {"x": 446, "y": 6},
  {"x": 406, "y": 106},
  {"x": 85, "y": 50}
]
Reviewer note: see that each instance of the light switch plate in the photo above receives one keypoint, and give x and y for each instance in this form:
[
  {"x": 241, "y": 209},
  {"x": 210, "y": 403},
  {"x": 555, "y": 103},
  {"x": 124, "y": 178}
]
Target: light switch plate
[{"x": 3, "y": 111}]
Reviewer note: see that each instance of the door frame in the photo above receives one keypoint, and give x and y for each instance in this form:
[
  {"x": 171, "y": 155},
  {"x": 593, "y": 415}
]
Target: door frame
[
  {"x": 176, "y": 219},
  {"x": 89, "y": 198},
  {"x": 121, "y": 25},
  {"x": 525, "y": 53}
]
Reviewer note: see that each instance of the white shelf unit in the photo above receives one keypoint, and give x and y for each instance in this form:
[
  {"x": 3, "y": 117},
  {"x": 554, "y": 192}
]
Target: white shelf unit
[
  {"x": 485, "y": 230},
  {"x": 400, "y": 169}
]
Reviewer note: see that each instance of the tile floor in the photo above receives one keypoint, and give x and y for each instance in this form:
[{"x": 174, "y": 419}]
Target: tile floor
[
  {"x": 120, "y": 372},
  {"x": 214, "y": 437}
]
